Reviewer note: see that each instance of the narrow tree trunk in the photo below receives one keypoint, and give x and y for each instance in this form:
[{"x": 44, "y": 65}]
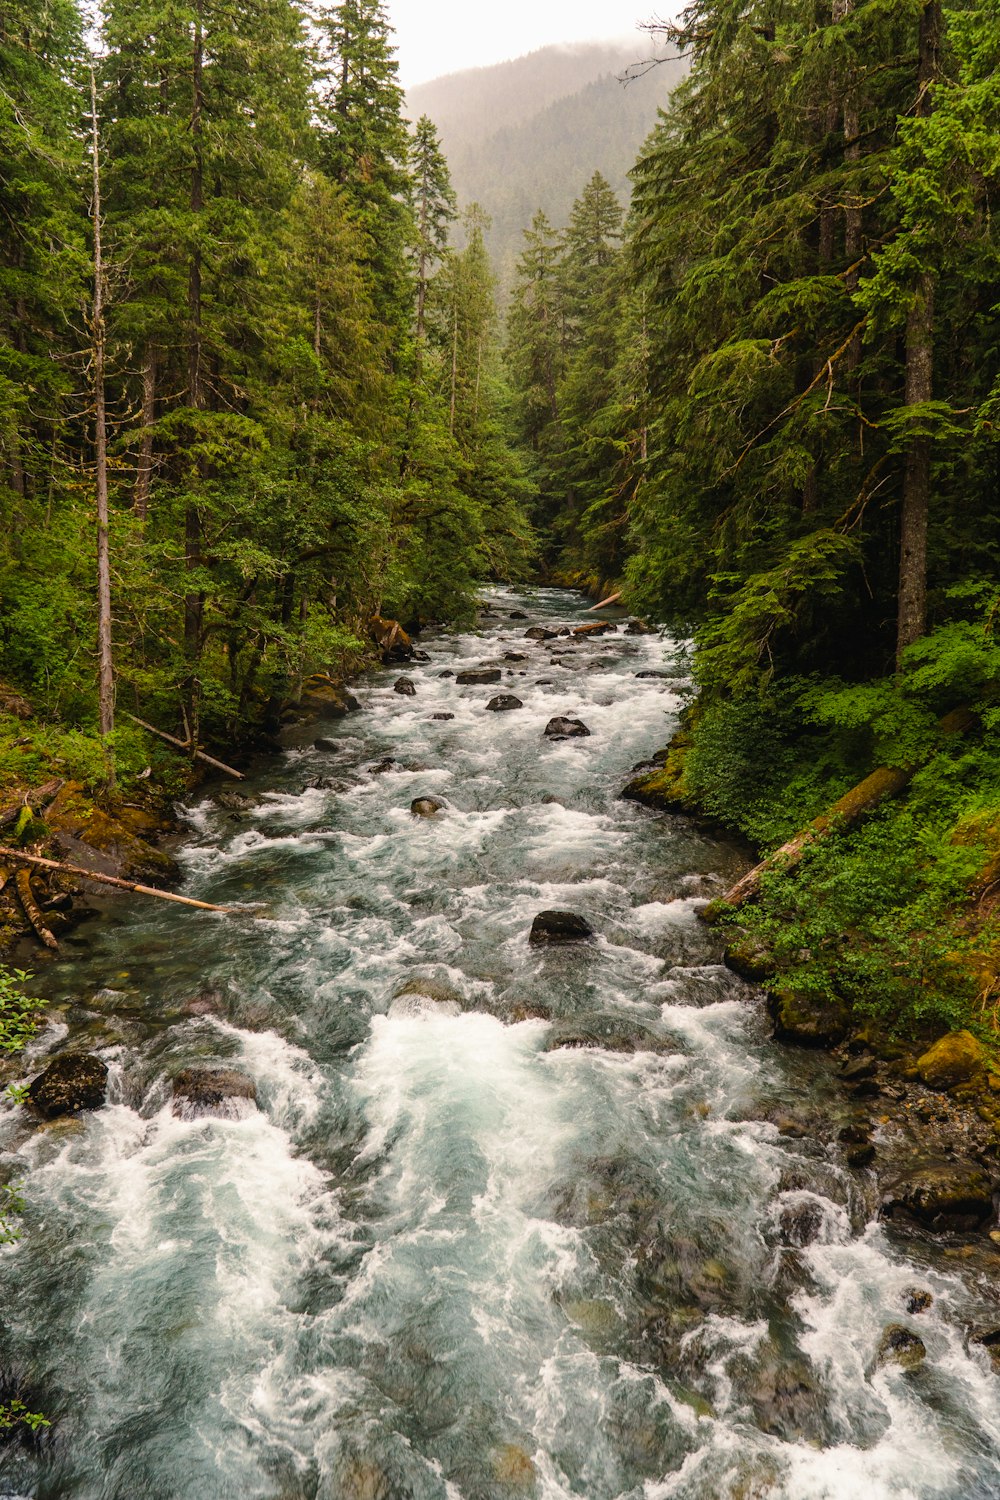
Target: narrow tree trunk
[
  {"x": 106, "y": 678},
  {"x": 912, "y": 603},
  {"x": 454, "y": 370},
  {"x": 140, "y": 497},
  {"x": 194, "y": 599}
]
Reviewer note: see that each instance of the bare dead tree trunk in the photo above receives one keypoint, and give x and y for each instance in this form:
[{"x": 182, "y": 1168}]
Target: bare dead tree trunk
[
  {"x": 143, "y": 478},
  {"x": 105, "y": 664},
  {"x": 912, "y": 601}
]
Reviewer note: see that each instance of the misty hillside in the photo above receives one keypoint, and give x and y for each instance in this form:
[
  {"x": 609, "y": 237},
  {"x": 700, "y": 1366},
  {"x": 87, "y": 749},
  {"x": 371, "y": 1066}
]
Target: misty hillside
[{"x": 529, "y": 134}]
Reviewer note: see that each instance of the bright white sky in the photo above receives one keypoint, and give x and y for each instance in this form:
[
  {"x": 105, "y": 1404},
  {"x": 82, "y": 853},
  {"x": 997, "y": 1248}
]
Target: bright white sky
[{"x": 442, "y": 36}]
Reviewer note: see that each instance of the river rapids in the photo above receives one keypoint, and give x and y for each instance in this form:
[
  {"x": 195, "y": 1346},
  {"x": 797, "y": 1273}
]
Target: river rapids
[{"x": 450, "y": 1257}]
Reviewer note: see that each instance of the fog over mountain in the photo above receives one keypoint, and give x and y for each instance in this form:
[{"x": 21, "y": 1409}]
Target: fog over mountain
[{"x": 529, "y": 133}]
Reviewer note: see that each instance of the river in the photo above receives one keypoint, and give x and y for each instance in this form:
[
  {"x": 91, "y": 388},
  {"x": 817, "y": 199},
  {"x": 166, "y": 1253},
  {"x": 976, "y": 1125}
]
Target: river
[{"x": 448, "y": 1259}]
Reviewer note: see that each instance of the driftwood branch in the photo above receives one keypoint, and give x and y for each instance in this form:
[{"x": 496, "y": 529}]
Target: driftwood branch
[
  {"x": 172, "y": 739},
  {"x": 37, "y": 862},
  {"x": 886, "y": 782},
  {"x": 32, "y": 911}
]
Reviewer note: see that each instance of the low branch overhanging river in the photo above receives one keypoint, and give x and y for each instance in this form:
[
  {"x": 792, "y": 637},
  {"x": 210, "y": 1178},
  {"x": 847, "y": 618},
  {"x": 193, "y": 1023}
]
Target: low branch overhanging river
[{"x": 446, "y": 1258}]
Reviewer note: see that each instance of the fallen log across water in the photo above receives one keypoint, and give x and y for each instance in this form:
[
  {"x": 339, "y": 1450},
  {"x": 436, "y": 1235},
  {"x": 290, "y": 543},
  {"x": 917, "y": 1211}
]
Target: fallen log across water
[
  {"x": 605, "y": 603},
  {"x": 886, "y": 782},
  {"x": 80, "y": 873}
]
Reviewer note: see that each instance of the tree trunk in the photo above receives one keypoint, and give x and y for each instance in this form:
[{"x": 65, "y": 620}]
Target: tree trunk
[
  {"x": 140, "y": 497},
  {"x": 912, "y": 602},
  {"x": 194, "y": 602},
  {"x": 105, "y": 665}
]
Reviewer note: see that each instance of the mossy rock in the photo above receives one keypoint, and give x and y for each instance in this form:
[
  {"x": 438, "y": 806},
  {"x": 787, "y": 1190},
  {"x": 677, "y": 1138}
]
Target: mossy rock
[
  {"x": 898, "y": 1346},
  {"x": 74, "y": 821},
  {"x": 953, "y": 1060},
  {"x": 941, "y": 1195},
  {"x": 749, "y": 958},
  {"x": 807, "y": 1020},
  {"x": 665, "y": 789}
]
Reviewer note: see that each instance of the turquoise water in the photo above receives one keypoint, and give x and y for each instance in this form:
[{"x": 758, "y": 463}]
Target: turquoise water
[{"x": 443, "y": 1260}]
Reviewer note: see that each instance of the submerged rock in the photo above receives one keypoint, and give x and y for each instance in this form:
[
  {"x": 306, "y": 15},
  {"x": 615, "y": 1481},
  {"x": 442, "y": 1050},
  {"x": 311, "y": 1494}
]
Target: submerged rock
[
  {"x": 898, "y": 1346},
  {"x": 917, "y": 1299},
  {"x": 223, "y": 1092},
  {"x": 442, "y": 718},
  {"x": 72, "y": 1082},
  {"x": 606, "y": 1033},
  {"x": 360, "y": 1479},
  {"x": 405, "y": 686},
  {"x": 566, "y": 729},
  {"x": 513, "y": 1469},
  {"x": 325, "y": 744},
  {"x": 941, "y": 1195},
  {"x": 426, "y": 807},
  {"x": 437, "y": 990},
  {"x": 479, "y": 677},
  {"x": 955, "y": 1059},
  {"x": 504, "y": 703},
  {"x": 560, "y": 927},
  {"x": 989, "y": 1339}
]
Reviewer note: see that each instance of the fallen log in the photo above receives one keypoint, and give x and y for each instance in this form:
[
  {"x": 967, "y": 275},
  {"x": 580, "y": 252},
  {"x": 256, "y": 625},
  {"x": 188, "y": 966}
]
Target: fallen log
[
  {"x": 34, "y": 798},
  {"x": 32, "y": 911},
  {"x": 113, "y": 880},
  {"x": 605, "y": 603},
  {"x": 185, "y": 745},
  {"x": 886, "y": 782}
]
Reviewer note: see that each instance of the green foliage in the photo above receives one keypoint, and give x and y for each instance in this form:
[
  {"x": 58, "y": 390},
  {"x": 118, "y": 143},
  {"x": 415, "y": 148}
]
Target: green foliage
[
  {"x": 14, "y": 1414},
  {"x": 11, "y": 1205},
  {"x": 19, "y": 1012},
  {"x": 877, "y": 918}
]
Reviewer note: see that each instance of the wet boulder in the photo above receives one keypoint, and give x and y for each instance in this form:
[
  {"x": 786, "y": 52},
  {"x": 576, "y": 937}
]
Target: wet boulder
[
  {"x": 72, "y": 1082},
  {"x": 392, "y": 640},
  {"x": 326, "y": 745},
  {"x": 639, "y": 627},
  {"x": 599, "y": 627},
  {"x": 426, "y": 807},
  {"x": 361, "y": 1479},
  {"x": 559, "y": 927},
  {"x": 503, "y": 703},
  {"x": 437, "y": 990},
  {"x": 442, "y": 718},
  {"x": 225, "y": 1093},
  {"x": 941, "y": 1195},
  {"x": 898, "y": 1346},
  {"x": 515, "y": 656},
  {"x": 786, "y": 1399},
  {"x": 479, "y": 677},
  {"x": 517, "y": 614},
  {"x": 803, "y": 1020},
  {"x": 917, "y": 1299},
  {"x": 234, "y": 802},
  {"x": 512, "y": 1470},
  {"x": 539, "y": 633},
  {"x": 405, "y": 687},
  {"x": 566, "y": 729},
  {"x": 956, "y": 1059},
  {"x": 989, "y": 1339},
  {"x": 653, "y": 676}
]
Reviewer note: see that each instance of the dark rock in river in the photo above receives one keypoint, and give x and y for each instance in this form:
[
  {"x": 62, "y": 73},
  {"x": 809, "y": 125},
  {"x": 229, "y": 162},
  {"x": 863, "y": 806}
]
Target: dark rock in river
[
  {"x": 955, "y": 1059},
  {"x": 515, "y": 656},
  {"x": 941, "y": 1195},
  {"x": 538, "y": 633},
  {"x": 421, "y": 656},
  {"x": 327, "y": 701},
  {"x": 560, "y": 927},
  {"x": 405, "y": 686},
  {"x": 442, "y": 718},
  {"x": 639, "y": 627},
  {"x": 989, "y": 1339},
  {"x": 223, "y": 1092},
  {"x": 479, "y": 677},
  {"x": 898, "y": 1346},
  {"x": 651, "y": 676},
  {"x": 517, "y": 614},
  {"x": 608, "y": 1033},
  {"x": 807, "y": 1020},
  {"x": 430, "y": 989},
  {"x": 786, "y": 1399},
  {"x": 234, "y": 801},
  {"x": 566, "y": 729},
  {"x": 503, "y": 704},
  {"x": 326, "y": 745},
  {"x": 917, "y": 1300},
  {"x": 446, "y": 673},
  {"x": 72, "y": 1082},
  {"x": 426, "y": 807}
]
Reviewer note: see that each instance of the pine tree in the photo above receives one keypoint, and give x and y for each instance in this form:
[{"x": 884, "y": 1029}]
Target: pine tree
[{"x": 435, "y": 209}]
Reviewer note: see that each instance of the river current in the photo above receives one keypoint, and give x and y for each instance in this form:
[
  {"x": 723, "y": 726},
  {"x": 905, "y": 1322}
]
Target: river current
[{"x": 450, "y": 1258}]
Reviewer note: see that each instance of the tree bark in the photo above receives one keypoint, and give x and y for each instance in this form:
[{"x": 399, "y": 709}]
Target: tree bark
[
  {"x": 919, "y": 388},
  {"x": 194, "y": 600},
  {"x": 143, "y": 478},
  {"x": 105, "y": 663},
  {"x": 18, "y": 856}
]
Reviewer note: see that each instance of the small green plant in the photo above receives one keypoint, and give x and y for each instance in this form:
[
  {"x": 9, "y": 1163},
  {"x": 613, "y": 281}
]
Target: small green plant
[
  {"x": 18, "y": 1093},
  {"x": 14, "y": 1414},
  {"x": 11, "y": 1203},
  {"x": 18, "y": 1011}
]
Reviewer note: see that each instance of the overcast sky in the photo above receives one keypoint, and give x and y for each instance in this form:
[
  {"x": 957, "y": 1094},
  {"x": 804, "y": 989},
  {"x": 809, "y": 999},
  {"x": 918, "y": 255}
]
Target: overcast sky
[{"x": 441, "y": 36}]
